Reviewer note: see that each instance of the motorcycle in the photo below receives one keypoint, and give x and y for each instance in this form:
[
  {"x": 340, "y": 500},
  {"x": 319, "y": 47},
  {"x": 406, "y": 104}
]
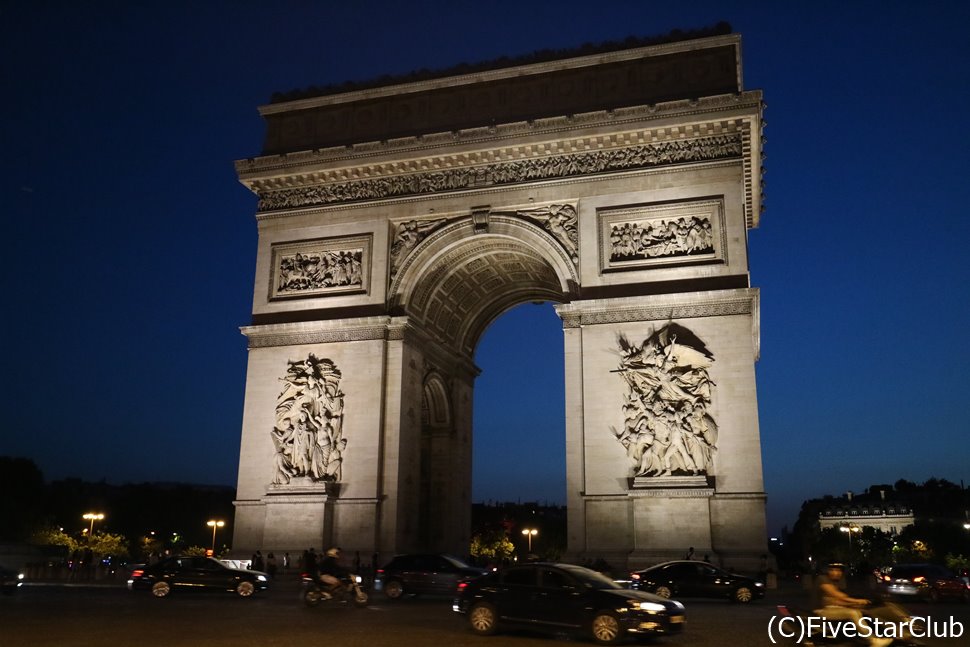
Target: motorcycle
[
  {"x": 349, "y": 591},
  {"x": 805, "y": 628}
]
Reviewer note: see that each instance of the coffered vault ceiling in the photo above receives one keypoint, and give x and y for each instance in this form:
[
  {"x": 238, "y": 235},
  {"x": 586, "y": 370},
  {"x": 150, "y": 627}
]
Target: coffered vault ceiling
[{"x": 471, "y": 284}]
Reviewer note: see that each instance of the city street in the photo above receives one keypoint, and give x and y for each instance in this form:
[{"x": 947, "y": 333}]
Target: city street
[{"x": 78, "y": 616}]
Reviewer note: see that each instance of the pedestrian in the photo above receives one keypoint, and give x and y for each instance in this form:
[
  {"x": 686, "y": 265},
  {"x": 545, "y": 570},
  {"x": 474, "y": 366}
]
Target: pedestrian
[
  {"x": 271, "y": 565},
  {"x": 690, "y": 553}
]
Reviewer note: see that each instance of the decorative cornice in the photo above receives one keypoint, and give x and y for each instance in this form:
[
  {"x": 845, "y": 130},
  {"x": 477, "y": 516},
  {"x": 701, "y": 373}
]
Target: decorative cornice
[
  {"x": 578, "y": 314},
  {"x": 403, "y": 180},
  {"x": 672, "y": 493},
  {"x": 299, "y": 162},
  {"x": 295, "y": 334}
]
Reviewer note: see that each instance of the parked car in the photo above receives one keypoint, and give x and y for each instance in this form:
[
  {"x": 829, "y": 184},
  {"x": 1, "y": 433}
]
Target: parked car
[
  {"x": 196, "y": 573},
  {"x": 927, "y": 581},
  {"x": 10, "y": 580},
  {"x": 423, "y": 573},
  {"x": 559, "y": 598},
  {"x": 688, "y": 578}
]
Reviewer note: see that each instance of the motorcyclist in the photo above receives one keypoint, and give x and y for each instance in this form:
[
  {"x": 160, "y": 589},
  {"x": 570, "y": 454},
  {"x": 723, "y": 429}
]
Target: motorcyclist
[
  {"x": 835, "y": 604},
  {"x": 331, "y": 573}
]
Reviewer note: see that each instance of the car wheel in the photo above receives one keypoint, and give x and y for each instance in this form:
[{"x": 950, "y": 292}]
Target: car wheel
[
  {"x": 245, "y": 589},
  {"x": 161, "y": 589},
  {"x": 393, "y": 589},
  {"x": 606, "y": 628},
  {"x": 482, "y": 619},
  {"x": 663, "y": 591},
  {"x": 743, "y": 594}
]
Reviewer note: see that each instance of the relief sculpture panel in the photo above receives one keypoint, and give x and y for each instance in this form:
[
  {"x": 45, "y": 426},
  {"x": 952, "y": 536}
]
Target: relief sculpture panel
[
  {"x": 320, "y": 267},
  {"x": 308, "y": 435},
  {"x": 661, "y": 234},
  {"x": 668, "y": 429}
]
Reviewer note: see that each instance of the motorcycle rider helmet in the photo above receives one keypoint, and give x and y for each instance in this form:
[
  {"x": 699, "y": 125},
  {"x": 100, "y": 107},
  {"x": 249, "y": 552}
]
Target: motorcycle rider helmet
[{"x": 333, "y": 552}]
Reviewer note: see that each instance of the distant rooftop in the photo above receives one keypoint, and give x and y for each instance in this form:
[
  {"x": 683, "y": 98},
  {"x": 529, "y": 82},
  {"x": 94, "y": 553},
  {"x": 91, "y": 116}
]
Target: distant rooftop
[{"x": 541, "y": 56}]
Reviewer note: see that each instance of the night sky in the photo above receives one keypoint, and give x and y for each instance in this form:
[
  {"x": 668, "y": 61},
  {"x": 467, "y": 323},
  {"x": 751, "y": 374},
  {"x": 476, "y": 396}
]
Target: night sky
[{"x": 129, "y": 245}]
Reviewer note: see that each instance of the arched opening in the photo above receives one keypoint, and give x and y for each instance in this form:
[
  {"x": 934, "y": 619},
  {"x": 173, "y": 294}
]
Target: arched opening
[
  {"x": 437, "y": 431},
  {"x": 519, "y": 410},
  {"x": 457, "y": 283}
]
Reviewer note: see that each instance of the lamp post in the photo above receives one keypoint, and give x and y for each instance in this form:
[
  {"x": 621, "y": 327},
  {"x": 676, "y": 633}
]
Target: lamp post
[
  {"x": 214, "y": 523},
  {"x": 530, "y": 533},
  {"x": 92, "y": 517},
  {"x": 850, "y": 530}
]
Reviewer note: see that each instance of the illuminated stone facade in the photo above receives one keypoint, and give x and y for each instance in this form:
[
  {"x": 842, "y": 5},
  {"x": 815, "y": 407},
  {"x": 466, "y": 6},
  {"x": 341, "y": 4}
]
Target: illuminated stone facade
[{"x": 397, "y": 222}]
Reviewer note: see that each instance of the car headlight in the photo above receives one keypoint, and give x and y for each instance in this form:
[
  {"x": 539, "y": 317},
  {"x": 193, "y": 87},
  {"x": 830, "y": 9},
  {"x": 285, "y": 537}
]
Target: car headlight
[
  {"x": 759, "y": 583},
  {"x": 261, "y": 578},
  {"x": 653, "y": 607}
]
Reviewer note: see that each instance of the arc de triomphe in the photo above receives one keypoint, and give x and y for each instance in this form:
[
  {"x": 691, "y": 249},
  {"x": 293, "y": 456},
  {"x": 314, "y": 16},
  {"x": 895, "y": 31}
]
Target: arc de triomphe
[{"x": 396, "y": 222}]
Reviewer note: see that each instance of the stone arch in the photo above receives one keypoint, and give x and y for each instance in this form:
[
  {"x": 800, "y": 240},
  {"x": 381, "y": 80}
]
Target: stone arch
[
  {"x": 434, "y": 467},
  {"x": 463, "y": 276}
]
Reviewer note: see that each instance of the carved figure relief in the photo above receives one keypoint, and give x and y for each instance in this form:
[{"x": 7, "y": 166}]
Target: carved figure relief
[
  {"x": 552, "y": 166},
  {"x": 407, "y": 236},
  {"x": 661, "y": 234},
  {"x": 320, "y": 267},
  {"x": 661, "y": 239},
  {"x": 668, "y": 429},
  {"x": 308, "y": 435},
  {"x": 560, "y": 221}
]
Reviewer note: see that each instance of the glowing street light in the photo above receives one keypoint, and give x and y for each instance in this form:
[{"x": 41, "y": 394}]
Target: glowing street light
[
  {"x": 214, "y": 523},
  {"x": 530, "y": 533},
  {"x": 850, "y": 530},
  {"x": 92, "y": 517}
]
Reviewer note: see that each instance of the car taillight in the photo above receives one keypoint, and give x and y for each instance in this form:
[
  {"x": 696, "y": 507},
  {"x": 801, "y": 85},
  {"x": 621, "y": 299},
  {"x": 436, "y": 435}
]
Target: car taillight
[
  {"x": 886, "y": 578},
  {"x": 918, "y": 579},
  {"x": 137, "y": 573},
  {"x": 462, "y": 586},
  {"x": 634, "y": 576},
  {"x": 380, "y": 571}
]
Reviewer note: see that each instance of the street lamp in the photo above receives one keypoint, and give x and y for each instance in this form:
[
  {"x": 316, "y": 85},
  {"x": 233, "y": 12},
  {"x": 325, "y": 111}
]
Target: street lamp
[
  {"x": 214, "y": 523},
  {"x": 530, "y": 533},
  {"x": 850, "y": 530},
  {"x": 92, "y": 517}
]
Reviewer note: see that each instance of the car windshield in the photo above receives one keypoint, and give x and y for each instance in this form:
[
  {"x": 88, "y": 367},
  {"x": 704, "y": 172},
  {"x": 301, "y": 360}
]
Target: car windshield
[{"x": 590, "y": 578}]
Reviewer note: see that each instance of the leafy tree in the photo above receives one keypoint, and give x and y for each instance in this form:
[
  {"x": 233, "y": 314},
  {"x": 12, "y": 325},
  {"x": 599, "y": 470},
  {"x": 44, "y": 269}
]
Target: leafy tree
[
  {"x": 492, "y": 546},
  {"x": 55, "y": 537},
  {"x": 195, "y": 551},
  {"x": 106, "y": 544}
]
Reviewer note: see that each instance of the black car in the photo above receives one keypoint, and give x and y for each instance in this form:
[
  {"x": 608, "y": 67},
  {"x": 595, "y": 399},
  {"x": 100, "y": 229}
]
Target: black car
[
  {"x": 423, "y": 573},
  {"x": 196, "y": 573},
  {"x": 927, "y": 581},
  {"x": 562, "y": 598},
  {"x": 10, "y": 580},
  {"x": 688, "y": 578}
]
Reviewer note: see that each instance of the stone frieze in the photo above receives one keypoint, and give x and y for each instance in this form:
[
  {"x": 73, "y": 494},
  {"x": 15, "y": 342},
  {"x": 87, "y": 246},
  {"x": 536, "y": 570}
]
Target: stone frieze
[{"x": 701, "y": 149}]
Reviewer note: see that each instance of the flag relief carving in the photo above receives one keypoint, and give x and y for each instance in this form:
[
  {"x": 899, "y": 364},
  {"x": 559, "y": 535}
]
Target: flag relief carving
[{"x": 668, "y": 429}]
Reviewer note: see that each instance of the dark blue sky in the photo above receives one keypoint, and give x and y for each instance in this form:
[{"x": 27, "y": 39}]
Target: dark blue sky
[{"x": 129, "y": 245}]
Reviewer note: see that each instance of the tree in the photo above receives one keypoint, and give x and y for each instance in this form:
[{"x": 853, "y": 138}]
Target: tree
[
  {"x": 106, "y": 544},
  {"x": 55, "y": 537},
  {"x": 492, "y": 546}
]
